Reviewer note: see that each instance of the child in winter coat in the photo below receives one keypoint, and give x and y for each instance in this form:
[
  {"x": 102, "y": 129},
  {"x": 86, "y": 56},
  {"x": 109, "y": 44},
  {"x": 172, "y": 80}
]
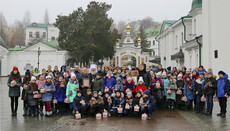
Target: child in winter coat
[
  {"x": 60, "y": 94},
  {"x": 171, "y": 93},
  {"x": 71, "y": 90},
  {"x": 188, "y": 93},
  {"x": 147, "y": 103},
  {"x": 108, "y": 101},
  {"x": 31, "y": 91},
  {"x": 129, "y": 85},
  {"x": 209, "y": 90},
  {"x": 25, "y": 83},
  {"x": 198, "y": 89},
  {"x": 128, "y": 103},
  {"x": 136, "y": 102},
  {"x": 48, "y": 95},
  {"x": 110, "y": 82},
  {"x": 40, "y": 82},
  {"x": 140, "y": 85},
  {"x": 96, "y": 103},
  {"x": 80, "y": 104},
  {"x": 180, "y": 90},
  {"x": 165, "y": 82},
  {"x": 159, "y": 90},
  {"x": 118, "y": 101},
  {"x": 119, "y": 85}
]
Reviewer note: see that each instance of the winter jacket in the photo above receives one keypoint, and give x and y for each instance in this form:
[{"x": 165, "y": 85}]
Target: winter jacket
[
  {"x": 165, "y": 81},
  {"x": 180, "y": 84},
  {"x": 142, "y": 87},
  {"x": 129, "y": 86},
  {"x": 198, "y": 86},
  {"x": 188, "y": 92},
  {"x": 136, "y": 101},
  {"x": 48, "y": 96},
  {"x": 78, "y": 75},
  {"x": 146, "y": 77},
  {"x": 26, "y": 81},
  {"x": 76, "y": 102},
  {"x": 14, "y": 91},
  {"x": 60, "y": 92},
  {"x": 31, "y": 88},
  {"x": 209, "y": 90},
  {"x": 84, "y": 89},
  {"x": 98, "y": 85},
  {"x": 129, "y": 101},
  {"x": 110, "y": 82},
  {"x": 150, "y": 100},
  {"x": 223, "y": 86},
  {"x": 70, "y": 89},
  {"x": 88, "y": 97},
  {"x": 158, "y": 91},
  {"x": 173, "y": 94},
  {"x": 118, "y": 101}
]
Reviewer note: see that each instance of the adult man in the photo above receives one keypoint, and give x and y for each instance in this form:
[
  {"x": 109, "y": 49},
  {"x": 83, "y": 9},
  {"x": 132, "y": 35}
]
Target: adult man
[
  {"x": 146, "y": 76},
  {"x": 77, "y": 72},
  {"x": 49, "y": 69},
  {"x": 93, "y": 72},
  {"x": 223, "y": 92}
]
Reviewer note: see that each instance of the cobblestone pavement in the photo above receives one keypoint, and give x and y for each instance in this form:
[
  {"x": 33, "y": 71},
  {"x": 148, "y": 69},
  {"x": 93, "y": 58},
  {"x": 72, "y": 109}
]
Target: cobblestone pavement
[{"x": 162, "y": 120}]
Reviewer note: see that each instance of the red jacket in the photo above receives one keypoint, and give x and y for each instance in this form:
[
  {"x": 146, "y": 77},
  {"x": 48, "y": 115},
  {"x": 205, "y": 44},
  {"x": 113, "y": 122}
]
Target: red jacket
[{"x": 142, "y": 86}]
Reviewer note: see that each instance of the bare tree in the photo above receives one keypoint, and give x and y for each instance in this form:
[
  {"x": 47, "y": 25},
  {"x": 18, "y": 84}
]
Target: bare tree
[
  {"x": 3, "y": 28},
  {"x": 46, "y": 17},
  {"x": 148, "y": 22},
  {"x": 18, "y": 37},
  {"x": 26, "y": 19},
  {"x": 121, "y": 26}
]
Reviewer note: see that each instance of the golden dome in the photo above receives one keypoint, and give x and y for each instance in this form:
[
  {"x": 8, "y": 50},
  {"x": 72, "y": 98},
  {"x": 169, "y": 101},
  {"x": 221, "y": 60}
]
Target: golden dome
[
  {"x": 139, "y": 40},
  {"x": 128, "y": 28}
]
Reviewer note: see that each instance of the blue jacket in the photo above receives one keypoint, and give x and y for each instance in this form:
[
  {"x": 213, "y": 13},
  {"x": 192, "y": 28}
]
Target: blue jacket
[
  {"x": 223, "y": 86},
  {"x": 60, "y": 92},
  {"x": 165, "y": 81},
  {"x": 188, "y": 92},
  {"x": 150, "y": 100},
  {"x": 48, "y": 96},
  {"x": 76, "y": 102},
  {"x": 110, "y": 82}
]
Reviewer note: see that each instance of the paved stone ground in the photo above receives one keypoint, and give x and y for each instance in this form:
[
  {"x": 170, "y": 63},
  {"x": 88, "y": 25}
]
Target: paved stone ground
[{"x": 162, "y": 120}]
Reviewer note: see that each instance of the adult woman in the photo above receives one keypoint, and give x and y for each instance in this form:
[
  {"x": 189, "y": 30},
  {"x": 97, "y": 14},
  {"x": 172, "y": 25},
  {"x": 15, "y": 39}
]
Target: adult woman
[{"x": 14, "y": 83}]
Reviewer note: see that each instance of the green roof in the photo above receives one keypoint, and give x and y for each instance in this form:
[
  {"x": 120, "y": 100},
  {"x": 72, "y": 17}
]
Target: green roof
[
  {"x": 196, "y": 4},
  {"x": 150, "y": 32},
  {"x": 53, "y": 44},
  {"x": 170, "y": 22},
  {"x": 38, "y": 25}
]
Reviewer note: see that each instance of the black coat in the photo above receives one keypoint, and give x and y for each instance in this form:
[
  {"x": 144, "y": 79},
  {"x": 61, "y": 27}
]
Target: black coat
[
  {"x": 210, "y": 90},
  {"x": 136, "y": 101},
  {"x": 146, "y": 77}
]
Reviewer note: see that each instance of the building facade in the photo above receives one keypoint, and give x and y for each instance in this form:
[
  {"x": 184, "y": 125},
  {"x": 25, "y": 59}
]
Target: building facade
[
  {"x": 40, "y": 32},
  {"x": 199, "y": 38}
]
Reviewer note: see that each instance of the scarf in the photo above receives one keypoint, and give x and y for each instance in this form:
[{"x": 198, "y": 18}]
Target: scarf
[
  {"x": 34, "y": 85},
  {"x": 15, "y": 76}
]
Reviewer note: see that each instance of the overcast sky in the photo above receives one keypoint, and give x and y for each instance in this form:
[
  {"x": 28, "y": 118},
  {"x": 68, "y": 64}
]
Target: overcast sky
[{"x": 159, "y": 10}]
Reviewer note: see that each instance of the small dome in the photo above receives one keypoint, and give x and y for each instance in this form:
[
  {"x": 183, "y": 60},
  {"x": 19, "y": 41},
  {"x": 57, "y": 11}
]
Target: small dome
[
  {"x": 139, "y": 40},
  {"x": 196, "y": 4},
  {"x": 128, "y": 28}
]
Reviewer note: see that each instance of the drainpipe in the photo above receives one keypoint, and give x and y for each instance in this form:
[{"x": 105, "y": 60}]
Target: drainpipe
[
  {"x": 182, "y": 18},
  {"x": 197, "y": 40}
]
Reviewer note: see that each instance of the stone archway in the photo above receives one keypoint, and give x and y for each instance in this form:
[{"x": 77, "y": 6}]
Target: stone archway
[{"x": 129, "y": 60}]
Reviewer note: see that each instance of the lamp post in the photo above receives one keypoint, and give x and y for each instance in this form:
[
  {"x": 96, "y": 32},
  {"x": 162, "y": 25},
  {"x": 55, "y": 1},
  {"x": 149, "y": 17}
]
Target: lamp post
[{"x": 39, "y": 53}]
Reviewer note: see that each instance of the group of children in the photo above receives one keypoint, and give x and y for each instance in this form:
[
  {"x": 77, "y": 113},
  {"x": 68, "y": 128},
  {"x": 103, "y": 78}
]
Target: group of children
[{"x": 118, "y": 90}]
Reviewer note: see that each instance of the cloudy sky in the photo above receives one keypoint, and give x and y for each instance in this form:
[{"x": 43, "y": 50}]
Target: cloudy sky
[{"x": 159, "y": 10}]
